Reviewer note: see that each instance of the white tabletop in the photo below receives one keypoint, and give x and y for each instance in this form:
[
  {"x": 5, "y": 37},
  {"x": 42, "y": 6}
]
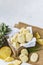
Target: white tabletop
[{"x": 28, "y": 11}]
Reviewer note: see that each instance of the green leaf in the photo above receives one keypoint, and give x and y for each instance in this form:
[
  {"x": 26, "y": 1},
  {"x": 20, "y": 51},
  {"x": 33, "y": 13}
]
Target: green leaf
[{"x": 34, "y": 49}]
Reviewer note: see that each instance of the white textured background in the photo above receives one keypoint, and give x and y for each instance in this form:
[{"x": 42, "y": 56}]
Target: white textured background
[{"x": 28, "y": 11}]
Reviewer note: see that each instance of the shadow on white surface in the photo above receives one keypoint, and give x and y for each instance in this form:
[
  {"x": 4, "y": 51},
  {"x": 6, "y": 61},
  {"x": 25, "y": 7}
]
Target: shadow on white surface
[{"x": 28, "y": 11}]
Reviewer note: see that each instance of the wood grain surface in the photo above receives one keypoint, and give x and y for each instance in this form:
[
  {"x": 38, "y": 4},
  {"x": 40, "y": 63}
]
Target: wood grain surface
[{"x": 35, "y": 29}]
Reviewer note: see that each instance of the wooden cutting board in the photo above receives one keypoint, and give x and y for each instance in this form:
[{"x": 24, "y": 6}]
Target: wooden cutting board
[{"x": 35, "y": 29}]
